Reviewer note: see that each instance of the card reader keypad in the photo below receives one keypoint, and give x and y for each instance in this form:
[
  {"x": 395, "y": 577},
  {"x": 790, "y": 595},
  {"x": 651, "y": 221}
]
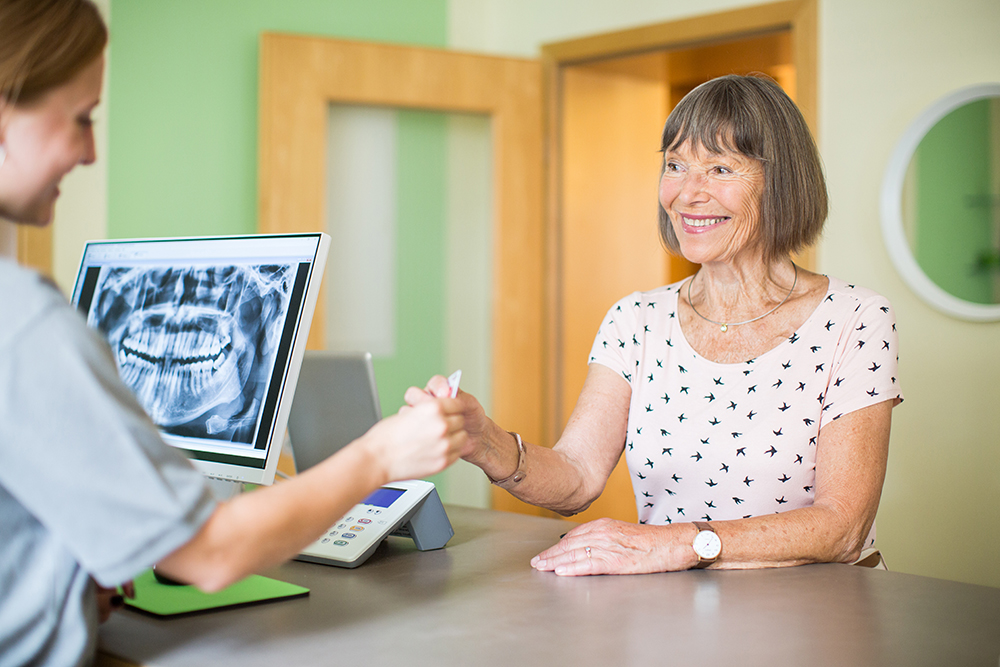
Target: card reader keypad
[
  {"x": 410, "y": 509},
  {"x": 358, "y": 532}
]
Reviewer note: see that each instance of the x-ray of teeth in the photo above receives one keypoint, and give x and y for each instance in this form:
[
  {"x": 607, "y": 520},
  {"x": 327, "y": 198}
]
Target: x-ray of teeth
[{"x": 195, "y": 345}]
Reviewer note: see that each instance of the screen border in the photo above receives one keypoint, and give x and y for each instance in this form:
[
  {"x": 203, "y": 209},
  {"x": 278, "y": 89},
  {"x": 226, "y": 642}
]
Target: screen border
[{"x": 236, "y": 472}]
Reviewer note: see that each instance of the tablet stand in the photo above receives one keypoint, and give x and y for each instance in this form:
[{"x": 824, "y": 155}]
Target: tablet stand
[{"x": 428, "y": 526}]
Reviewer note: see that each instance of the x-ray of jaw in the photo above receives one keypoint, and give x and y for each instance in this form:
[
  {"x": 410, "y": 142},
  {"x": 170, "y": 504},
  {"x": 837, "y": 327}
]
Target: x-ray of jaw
[{"x": 196, "y": 345}]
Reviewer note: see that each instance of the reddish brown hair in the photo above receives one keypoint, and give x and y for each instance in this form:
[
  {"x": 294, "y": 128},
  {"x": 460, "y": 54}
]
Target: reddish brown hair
[{"x": 45, "y": 43}]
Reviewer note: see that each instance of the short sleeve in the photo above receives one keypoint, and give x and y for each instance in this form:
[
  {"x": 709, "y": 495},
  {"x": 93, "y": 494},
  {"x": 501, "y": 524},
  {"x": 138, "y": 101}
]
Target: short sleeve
[
  {"x": 616, "y": 340},
  {"x": 865, "y": 368},
  {"x": 81, "y": 456}
]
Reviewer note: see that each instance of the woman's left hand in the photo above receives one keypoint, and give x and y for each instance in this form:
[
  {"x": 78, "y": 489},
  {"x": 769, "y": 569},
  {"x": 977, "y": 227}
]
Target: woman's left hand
[
  {"x": 110, "y": 600},
  {"x": 607, "y": 546}
]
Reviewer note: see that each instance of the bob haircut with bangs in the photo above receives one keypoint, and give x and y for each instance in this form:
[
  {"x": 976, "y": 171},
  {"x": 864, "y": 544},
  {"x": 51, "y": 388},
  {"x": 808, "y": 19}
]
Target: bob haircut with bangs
[{"x": 752, "y": 116}]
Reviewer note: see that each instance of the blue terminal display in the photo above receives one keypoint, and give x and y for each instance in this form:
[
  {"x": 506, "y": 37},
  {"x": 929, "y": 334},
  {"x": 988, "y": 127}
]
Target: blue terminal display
[{"x": 384, "y": 497}]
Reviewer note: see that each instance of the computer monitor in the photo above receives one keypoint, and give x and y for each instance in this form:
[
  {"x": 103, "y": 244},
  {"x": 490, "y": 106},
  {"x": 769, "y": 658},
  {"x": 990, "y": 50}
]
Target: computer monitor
[{"x": 209, "y": 334}]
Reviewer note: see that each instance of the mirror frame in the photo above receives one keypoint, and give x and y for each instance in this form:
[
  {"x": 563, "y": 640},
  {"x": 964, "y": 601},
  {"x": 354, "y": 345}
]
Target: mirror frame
[{"x": 892, "y": 208}]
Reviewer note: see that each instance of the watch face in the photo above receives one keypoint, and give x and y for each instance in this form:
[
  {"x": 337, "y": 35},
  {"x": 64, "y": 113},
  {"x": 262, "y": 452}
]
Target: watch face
[{"x": 707, "y": 545}]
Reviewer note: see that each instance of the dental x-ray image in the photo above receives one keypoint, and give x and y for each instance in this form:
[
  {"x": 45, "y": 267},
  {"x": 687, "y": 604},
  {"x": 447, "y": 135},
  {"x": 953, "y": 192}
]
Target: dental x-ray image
[{"x": 196, "y": 345}]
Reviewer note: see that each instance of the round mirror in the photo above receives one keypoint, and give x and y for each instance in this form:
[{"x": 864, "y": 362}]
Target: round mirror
[{"x": 941, "y": 204}]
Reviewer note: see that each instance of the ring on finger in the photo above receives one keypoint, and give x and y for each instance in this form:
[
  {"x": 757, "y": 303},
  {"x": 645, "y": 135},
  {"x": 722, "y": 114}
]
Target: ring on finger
[{"x": 587, "y": 549}]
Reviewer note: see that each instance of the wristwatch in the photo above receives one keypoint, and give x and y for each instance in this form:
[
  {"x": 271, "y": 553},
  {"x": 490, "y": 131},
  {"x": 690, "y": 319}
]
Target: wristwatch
[{"x": 706, "y": 544}]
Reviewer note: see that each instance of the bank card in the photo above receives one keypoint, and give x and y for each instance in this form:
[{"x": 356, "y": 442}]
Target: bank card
[{"x": 453, "y": 381}]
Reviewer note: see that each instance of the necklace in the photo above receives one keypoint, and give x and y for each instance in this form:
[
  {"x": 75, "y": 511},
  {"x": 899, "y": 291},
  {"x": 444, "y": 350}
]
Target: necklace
[{"x": 724, "y": 326}]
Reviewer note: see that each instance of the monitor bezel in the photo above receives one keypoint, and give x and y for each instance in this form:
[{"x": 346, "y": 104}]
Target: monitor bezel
[{"x": 303, "y": 322}]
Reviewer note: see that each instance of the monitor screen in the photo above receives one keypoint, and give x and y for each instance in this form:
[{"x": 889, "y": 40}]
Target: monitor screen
[{"x": 209, "y": 334}]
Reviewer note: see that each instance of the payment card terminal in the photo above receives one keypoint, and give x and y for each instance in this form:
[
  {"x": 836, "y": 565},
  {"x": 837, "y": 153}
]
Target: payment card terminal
[{"x": 409, "y": 508}]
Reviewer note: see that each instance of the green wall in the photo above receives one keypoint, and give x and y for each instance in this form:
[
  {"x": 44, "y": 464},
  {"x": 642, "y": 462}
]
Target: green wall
[{"x": 183, "y": 100}]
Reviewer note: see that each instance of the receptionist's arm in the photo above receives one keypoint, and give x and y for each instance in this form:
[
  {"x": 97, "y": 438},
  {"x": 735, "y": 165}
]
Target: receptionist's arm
[
  {"x": 568, "y": 477},
  {"x": 261, "y": 529}
]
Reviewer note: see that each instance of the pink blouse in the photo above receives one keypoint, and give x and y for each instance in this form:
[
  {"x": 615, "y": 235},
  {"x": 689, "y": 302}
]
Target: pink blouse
[{"x": 709, "y": 441}]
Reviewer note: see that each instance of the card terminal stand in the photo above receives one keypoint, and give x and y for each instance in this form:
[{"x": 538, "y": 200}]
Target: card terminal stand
[{"x": 411, "y": 508}]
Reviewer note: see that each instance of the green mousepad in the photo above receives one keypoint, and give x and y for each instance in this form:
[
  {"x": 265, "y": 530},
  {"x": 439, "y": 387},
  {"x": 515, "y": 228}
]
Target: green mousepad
[{"x": 152, "y": 597}]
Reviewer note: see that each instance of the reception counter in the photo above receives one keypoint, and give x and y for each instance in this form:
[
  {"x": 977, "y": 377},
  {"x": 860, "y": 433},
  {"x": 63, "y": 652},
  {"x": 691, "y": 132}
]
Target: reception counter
[{"x": 478, "y": 602}]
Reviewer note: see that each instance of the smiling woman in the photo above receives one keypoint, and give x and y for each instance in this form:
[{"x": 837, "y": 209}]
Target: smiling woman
[
  {"x": 724, "y": 120},
  {"x": 90, "y": 494},
  {"x": 705, "y": 191},
  {"x": 752, "y": 402},
  {"x": 46, "y": 97}
]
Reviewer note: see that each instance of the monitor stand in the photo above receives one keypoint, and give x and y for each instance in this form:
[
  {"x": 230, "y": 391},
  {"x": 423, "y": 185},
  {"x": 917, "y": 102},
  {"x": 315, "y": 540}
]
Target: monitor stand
[{"x": 224, "y": 489}]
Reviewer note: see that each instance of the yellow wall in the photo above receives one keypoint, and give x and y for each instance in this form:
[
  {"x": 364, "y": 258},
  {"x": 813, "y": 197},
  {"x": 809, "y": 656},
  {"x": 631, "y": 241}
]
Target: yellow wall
[
  {"x": 881, "y": 63},
  {"x": 82, "y": 208}
]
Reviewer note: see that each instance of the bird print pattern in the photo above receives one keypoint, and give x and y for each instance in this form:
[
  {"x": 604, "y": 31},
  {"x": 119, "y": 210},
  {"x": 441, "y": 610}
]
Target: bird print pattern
[{"x": 709, "y": 441}]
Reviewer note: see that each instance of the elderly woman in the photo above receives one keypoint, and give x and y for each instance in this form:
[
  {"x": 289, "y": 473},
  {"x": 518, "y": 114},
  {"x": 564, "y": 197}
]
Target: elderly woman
[{"x": 752, "y": 400}]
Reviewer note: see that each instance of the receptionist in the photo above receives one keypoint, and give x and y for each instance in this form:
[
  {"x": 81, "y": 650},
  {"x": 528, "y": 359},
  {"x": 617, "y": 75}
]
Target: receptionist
[
  {"x": 752, "y": 400},
  {"x": 90, "y": 496}
]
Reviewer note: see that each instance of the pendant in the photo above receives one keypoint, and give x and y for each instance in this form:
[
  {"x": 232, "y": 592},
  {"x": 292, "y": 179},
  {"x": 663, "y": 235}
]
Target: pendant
[{"x": 724, "y": 328}]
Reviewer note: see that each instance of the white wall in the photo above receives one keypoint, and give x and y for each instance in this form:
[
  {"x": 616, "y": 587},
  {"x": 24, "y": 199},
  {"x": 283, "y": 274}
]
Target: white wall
[{"x": 880, "y": 63}]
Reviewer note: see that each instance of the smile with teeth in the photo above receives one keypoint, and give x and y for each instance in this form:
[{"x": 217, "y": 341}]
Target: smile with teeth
[
  {"x": 179, "y": 361},
  {"x": 703, "y": 222}
]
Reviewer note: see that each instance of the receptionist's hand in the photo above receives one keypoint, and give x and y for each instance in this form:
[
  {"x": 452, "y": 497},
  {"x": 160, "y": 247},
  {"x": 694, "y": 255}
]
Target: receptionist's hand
[
  {"x": 607, "y": 546},
  {"x": 421, "y": 440},
  {"x": 476, "y": 421}
]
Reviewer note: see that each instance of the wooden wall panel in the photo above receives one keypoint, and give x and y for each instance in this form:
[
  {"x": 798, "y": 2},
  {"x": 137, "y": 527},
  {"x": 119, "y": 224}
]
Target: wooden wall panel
[{"x": 34, "y": 248}]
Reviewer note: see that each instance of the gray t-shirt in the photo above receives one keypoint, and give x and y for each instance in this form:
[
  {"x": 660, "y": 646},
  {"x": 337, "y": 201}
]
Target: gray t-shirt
[{"x": 87, "y": 486}]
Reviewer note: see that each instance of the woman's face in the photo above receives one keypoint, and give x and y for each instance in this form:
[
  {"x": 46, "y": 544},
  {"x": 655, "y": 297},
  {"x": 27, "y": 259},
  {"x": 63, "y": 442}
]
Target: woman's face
[
  {"x": 44, "y": 140},
  {"x": 713, "y": 201}
]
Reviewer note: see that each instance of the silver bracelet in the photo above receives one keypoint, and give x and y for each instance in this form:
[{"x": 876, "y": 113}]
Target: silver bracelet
[{"x": 519, "y": 473}]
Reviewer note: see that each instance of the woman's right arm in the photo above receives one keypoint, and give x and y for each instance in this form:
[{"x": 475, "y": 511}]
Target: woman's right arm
[
  {"x": 263, "y": 528},
  {"x": 568, "y": 477}
]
